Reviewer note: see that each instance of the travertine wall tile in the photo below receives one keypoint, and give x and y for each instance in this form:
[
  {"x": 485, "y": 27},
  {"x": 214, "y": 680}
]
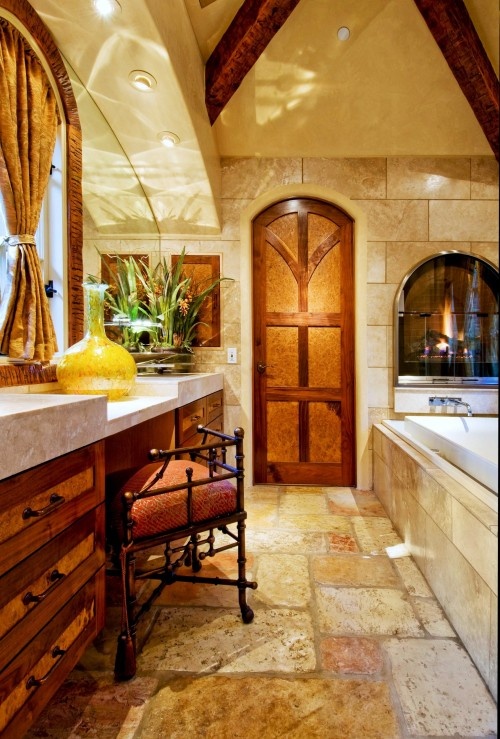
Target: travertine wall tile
[
  {"x": 377, "y": 346},
  {"x": 378, "y": 387},
  {"x": 494, "y": 645},
  {"x": 484, "y": 178},
  {"x": 428, "y": 177},
  {"x": 396, "y": 220},
  {"x": 488, "y": 250},
  {"x": 435, "y": 500},
  {"x": 390, "y": 346},
  {"x": 444, "y": 535},
  {"x": 380, "y": 304},
  {"x": 250, "y": 177},
  {"x": 461, "y": 592},
  {"x": 403, "y": 256},
  {"x": 376, "y": 259},
  {"x": 355, "y": 178},
  {"x": 231, "y": 211},
  {"x": 230, "y": 262},
  {"x": 467, "y": 532},
  {"x": 414, "y": 518},
  {"x": 463, "y": 220}
]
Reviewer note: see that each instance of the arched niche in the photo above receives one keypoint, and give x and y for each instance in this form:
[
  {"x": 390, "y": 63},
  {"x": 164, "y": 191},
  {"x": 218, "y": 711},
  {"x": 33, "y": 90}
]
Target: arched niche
[
  {"x": 25, "y": 18},
  {"x": 446, "y": 323}
]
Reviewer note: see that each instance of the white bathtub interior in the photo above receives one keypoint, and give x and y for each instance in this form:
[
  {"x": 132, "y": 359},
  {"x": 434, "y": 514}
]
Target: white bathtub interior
[{"x": 466, "y": 448}]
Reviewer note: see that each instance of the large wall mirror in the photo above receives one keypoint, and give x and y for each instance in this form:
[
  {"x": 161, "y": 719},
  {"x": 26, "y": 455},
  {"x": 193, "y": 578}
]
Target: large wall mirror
[{"x": 21, "y": 14}]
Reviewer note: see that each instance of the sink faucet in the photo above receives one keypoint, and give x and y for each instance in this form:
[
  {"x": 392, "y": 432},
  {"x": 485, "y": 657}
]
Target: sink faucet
[{"x": 439, "y": 400}]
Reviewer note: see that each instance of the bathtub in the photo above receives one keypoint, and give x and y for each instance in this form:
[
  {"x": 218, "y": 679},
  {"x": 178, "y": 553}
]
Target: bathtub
[{"x": 466, "y": 448}]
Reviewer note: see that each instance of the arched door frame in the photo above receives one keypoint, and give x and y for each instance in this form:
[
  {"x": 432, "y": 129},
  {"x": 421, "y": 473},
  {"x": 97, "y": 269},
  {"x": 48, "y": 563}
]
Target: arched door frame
[{"x": 363, "y": 454}]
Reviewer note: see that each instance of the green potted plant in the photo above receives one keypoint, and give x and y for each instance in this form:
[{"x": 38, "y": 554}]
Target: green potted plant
[{"x": 156, "y": 309}]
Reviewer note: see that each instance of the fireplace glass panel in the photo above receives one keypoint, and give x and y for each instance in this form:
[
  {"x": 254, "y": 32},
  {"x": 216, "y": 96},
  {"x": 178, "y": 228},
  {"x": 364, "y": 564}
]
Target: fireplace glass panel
[{"x": 447, "y": 323}]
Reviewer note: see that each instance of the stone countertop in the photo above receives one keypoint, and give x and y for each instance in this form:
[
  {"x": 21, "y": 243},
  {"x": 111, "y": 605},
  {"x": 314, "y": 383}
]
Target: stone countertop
[{"x": 38, "y": 426}]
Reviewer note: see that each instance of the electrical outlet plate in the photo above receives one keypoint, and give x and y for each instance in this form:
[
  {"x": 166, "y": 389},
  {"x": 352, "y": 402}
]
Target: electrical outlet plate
[{"x": 232, "y": 356}]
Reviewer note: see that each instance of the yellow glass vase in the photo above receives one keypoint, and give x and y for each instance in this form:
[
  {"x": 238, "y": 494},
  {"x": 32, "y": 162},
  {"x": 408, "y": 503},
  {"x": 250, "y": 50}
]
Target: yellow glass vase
[{"x": 96, "y": 365}]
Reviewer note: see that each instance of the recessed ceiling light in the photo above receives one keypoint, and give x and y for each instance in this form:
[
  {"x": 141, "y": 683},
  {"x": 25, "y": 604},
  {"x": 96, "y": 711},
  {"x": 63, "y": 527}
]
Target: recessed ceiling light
[
  {"x": 343, "y": 33},
  {"x": 168, "y": 138},
  {"x": 142, "y": 81},
  {"x": 107, "y": 8}
]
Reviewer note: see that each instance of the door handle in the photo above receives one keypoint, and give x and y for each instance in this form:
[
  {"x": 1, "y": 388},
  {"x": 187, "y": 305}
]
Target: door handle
[{"x": 261, "y": 367}]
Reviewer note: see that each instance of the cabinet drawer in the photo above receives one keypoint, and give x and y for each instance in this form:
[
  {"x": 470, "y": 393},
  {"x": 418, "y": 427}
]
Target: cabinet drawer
[
  {"x": 32, "y": 678},
  {"x": 38, "y": 504},
  {"x": 34, "y": 591},
  {"x": 215, "y": 408},
  {"x": 188, "y": 419}
]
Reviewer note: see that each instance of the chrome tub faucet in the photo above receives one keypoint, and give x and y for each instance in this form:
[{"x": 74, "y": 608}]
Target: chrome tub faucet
[{"x": 436, "y": 400}]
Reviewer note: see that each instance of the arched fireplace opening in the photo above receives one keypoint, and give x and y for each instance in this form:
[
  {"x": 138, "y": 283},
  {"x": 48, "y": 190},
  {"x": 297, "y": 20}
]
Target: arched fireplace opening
[{"x": 446, "y": 323}]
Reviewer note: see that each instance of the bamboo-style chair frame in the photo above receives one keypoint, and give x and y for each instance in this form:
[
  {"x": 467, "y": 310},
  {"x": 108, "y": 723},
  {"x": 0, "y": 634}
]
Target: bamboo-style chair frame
[{"x": 184, "y": 545}]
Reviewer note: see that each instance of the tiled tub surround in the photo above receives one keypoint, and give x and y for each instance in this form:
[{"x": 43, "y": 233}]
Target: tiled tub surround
[{"x": 453, "y": 537}]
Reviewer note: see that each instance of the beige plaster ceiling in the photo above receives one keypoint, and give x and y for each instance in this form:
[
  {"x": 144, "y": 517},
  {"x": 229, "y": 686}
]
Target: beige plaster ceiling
[{"x": 385, "y": 91}]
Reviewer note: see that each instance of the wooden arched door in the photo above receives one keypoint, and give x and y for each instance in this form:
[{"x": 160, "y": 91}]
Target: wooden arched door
[{"x": 303, "y": 344}]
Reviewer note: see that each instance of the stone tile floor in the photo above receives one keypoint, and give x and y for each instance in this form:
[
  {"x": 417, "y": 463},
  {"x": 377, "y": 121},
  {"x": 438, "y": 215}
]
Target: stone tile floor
[{"x": 347, "y": 642}]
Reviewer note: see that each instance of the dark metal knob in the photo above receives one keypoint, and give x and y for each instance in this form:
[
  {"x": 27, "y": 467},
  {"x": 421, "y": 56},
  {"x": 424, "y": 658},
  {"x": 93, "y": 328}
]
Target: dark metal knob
[{"x": 50, "y": 291}]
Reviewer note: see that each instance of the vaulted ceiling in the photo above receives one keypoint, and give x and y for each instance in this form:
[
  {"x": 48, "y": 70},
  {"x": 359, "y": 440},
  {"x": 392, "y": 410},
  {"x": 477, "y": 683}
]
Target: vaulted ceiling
[
  {"x": 257, "y": 21},
  {"x": 266, "y": 78}
]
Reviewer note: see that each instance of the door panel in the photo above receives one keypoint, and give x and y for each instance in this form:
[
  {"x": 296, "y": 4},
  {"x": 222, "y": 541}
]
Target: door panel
[{"x": 303, "y": 344}]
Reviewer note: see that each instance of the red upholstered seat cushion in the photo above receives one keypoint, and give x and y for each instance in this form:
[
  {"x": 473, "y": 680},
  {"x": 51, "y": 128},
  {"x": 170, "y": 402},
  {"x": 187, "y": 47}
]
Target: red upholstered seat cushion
[{"x": 160, "y": 513}]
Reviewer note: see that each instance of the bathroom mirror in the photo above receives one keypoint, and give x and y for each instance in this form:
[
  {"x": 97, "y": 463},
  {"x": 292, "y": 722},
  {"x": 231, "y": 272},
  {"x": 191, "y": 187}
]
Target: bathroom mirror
[{"x": 97, "y": 169}]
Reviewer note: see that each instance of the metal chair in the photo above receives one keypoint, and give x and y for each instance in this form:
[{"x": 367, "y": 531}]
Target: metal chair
[{"x": 177, "y": 503}]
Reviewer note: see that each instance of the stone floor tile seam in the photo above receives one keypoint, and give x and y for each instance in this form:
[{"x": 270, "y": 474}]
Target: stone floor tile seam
[{"x": 382, "y": 676}]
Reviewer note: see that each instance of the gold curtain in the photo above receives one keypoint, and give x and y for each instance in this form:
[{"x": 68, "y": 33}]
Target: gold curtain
[{"x": 28, "y": 126}]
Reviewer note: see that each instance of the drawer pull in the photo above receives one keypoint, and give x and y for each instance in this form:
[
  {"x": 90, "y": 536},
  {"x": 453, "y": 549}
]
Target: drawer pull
[
  {"x": 54, "y": 578},
  {"x": 33, "y": 682},
  {"x": 195, "y": 418},
  {"x": 54, "y": 502}
]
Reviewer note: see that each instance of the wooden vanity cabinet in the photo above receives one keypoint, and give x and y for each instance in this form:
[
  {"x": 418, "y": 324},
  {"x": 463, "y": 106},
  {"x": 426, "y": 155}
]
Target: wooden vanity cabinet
[
  {"x": 52, "y": 588},
  {"x": 215, "y": 410},
  {"x": 208, "y": 411}
]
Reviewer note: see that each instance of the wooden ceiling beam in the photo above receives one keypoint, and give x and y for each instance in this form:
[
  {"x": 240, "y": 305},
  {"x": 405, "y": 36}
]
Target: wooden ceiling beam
[
  {"x": 452, "y": 28},
  {"x": 252, "y": 28}
]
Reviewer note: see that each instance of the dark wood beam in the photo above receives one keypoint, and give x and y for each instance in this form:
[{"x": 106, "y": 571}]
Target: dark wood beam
[
  {"x": 252, "y": 28},
  {"x": 450, "y": 24}
]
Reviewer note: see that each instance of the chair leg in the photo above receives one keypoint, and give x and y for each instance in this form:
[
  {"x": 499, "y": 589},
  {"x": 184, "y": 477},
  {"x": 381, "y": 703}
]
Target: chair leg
[
  {"x": 193, "y": 560},
  {"x": 246, "y": 612},
  {"x": 125, "y": 660}
]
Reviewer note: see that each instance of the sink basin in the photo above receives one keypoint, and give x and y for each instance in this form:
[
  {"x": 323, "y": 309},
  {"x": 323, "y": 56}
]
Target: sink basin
[{"x": 166, "y": 374}]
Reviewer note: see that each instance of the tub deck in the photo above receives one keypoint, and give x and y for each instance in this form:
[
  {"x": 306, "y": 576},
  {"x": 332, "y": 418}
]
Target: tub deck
[{"x": 469, "y": 443}]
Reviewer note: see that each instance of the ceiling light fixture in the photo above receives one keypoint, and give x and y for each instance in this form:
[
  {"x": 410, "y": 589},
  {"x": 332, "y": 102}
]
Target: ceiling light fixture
[
  {"x": 168, "y": 139},
  {"x": 107, "y": 8},
  {"x": 142, "y": 81},
  {"x": 343, "y": 33}
]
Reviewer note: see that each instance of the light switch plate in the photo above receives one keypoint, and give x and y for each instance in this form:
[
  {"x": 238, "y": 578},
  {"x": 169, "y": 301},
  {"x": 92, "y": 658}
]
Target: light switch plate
[{"x": 232, "y": 356}]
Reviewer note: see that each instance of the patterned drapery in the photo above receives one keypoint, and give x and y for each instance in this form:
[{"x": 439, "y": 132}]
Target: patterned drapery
[{"x": 28, "y": 126}]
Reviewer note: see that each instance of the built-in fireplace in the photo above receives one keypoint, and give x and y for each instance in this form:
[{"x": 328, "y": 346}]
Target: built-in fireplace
[{"x": 446, "y": 323}]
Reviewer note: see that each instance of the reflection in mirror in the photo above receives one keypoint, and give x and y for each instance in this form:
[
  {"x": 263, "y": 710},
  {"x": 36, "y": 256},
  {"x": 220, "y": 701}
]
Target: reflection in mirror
[
  {"x": 26, "y": 18},
  {"x": 114, "y": 201}
]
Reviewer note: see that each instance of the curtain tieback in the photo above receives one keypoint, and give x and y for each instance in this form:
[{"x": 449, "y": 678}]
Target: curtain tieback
[{"x": 19, "y": 239}]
